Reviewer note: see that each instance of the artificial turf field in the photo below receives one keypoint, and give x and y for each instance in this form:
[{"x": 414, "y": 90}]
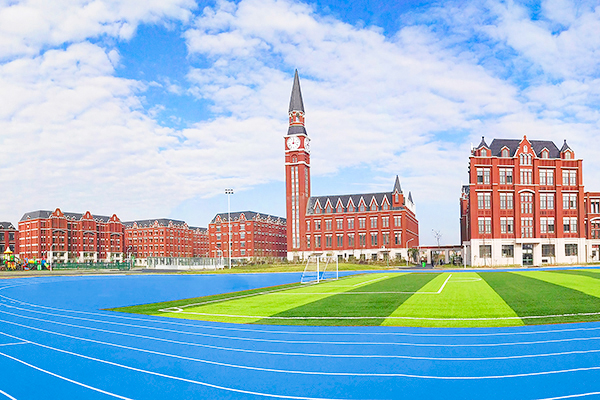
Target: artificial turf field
[{"x": 445, "y": 299}]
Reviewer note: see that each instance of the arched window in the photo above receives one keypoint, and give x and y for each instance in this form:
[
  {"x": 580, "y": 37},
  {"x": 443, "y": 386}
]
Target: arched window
[
  {"x": 385, "y": 206},
  {"x": 373, "y": 207},
  {"x": 505, "y": 153},
  {"x": 567, "y": 155},
  {"x": 328, "y": 210},
  {"x": 294, "y": 159},
  {"x": 340, "y": 209},
  {"x": 362, "y": 208},
  {"x": 545, "y": 154},
  {"x": 484, "y": 152}
]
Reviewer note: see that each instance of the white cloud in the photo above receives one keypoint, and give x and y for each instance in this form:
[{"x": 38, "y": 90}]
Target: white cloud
[{"x": 27, "y": 26}]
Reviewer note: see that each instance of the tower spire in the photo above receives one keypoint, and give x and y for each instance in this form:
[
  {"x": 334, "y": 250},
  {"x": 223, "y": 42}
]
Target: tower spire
[
  {"x": 296, "y": 111},
  {"x": 296, "y": 103}
]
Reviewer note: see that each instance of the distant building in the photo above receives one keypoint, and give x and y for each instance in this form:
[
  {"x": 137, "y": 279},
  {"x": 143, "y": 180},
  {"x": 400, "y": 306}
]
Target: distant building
[
  {"x": 525, "y": 204},
  {"x": 199, "y": 242},
  {"x": 159, "y": 238},
  {"x": 70, "y": 237},
  {"x": 367, "y": 225},
  {"x": 253, "y": 235},
  {"x": 9, "y": 237}
]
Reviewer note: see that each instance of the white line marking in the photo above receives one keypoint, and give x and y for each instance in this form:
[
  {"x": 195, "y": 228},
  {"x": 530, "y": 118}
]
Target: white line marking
[
  {"x": 12, "y": 344},
  {"x": 571, "y": 396},
  {"x": 317, "y": 331},
  {"x": 395, "y": 375},
  {"x": 325, "y": 342},
  {"x": 149, "y": 372},
  {"x": 62, "y": 377},
  {"x": 306, "y": 354},
  {"x": 7, "y": 395}
]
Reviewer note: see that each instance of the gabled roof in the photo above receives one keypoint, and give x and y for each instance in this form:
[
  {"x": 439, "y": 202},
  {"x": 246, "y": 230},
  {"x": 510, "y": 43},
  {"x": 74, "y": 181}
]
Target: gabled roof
[
  {"x": 355, "y": 198},
  {"x": 410, "y": 197},
  {"x": 483, "y": 143},
  {"x": 249, "y": 215},
  {"x": 397, "y": 186},
  {"x": 513, "y": 144},
  {"x": 565, "y": 147},
  {"x": 196, "y": 228},
  {"x": 144, "y": 223},
  {"x": 44, "y": 214},
  {"x": 6, "y": 225}
]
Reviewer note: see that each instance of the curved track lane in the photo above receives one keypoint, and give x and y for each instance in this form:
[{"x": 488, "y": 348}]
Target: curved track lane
[{"x": 56, "y": 342}]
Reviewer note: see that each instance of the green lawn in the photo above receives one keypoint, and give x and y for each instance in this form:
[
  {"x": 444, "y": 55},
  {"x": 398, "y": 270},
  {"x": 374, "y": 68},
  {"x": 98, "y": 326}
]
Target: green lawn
[{"x": 457, "y": 299}]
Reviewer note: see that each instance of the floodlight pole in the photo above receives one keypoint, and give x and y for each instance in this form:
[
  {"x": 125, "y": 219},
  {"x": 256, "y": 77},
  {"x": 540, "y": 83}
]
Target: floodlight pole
[{"x": 229, "y": 192}]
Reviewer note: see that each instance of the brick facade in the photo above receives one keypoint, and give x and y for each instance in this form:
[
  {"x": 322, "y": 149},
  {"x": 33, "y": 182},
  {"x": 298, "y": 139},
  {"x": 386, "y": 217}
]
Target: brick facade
[
  {"x": 253, "y": 235},
  {"x": 525, "y": 204},
  {"x": 370, "y": 225}
]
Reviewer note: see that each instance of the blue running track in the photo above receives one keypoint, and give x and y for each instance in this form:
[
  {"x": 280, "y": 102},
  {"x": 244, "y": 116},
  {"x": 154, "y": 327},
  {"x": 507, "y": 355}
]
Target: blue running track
[{"x": 57, "y": 343}]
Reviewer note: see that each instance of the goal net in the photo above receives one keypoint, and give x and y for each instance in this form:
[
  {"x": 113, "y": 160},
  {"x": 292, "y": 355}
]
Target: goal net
[{"x": 319, "y": 268}]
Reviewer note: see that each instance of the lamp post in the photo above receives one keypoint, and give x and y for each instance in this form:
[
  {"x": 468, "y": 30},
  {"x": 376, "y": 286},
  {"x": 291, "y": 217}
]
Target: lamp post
[
  {"x": 407, "y": 249},
  {"x": 229, "y": 192}
]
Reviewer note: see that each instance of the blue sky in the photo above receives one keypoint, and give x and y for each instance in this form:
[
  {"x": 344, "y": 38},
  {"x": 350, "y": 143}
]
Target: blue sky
[{"x": 151, "y": 112}]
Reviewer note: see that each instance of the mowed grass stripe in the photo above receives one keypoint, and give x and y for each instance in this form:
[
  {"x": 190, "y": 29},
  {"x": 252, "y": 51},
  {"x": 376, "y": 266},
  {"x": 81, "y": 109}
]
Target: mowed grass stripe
[
  {"x": 592, "y": 273},
  {"x": 255, "y": 308},
  {"x": 368, "y": 301},
  {"x": 530, "y": 297},
  {"x": 465, "y": 296},
  {"x": 584, "y": 284}
]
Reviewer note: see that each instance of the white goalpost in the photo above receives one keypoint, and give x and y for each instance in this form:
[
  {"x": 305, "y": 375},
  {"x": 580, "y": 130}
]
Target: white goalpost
[{"x": 320, "y": 268}]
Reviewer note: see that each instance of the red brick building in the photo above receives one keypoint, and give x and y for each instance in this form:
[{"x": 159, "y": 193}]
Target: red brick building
[
  {"x": 70, "y": 237},
  {"x": 369, "y": 225},
  {"x": 253, "y": 235},
  {"x": 199, "y": 242},
  {"x": 9, "y": 237},
  {"x": 526, "y": 204},
  {"x": 159, "y": 238}
]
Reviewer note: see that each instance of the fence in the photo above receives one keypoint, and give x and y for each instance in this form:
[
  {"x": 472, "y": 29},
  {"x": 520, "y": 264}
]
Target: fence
[
  {"x": 92, "y": 265},
  {"x": 185, "y": 263}
]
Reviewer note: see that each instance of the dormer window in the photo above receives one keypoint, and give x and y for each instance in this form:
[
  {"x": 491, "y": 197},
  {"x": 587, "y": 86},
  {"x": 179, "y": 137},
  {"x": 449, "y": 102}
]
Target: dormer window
[
  {"x": 362, "y": 208},
  {"x": 568, "y": 155},
  {"x": 545, "y": 153},
  {"x": 317, "y": 209},
  {"x": 385, "y": 207},
  {"x": 373, "y": 207},
  {"x": 484, "y": 153},
  {"x": 340, "y": 209},
  {"x": 329, "y": 209},
  {"x": 505, "y": 153}
]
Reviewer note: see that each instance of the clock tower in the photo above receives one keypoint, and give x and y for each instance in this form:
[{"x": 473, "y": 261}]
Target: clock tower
[{"x": 297, "y": 173}]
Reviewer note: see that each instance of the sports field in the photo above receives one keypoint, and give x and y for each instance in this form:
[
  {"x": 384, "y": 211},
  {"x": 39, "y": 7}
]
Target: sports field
[{"x": 445, "y": 299}]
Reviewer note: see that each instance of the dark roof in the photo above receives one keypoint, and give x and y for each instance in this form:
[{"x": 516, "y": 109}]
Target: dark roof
[
  {"x": 565, "y": 146},
  {"x": 346, "y": 198},
  {"x": 483, "y": 143},
  {"x": 513, "y": 144},
  {"x": 196, "y": 228},
  {"x": 368, "y": 197},
  {"x": 149, "y": 222},
  {"x": 397, "y": 185},
  {"x": 296, "y": 130},
  {"x": 6, "y": 225},
  {"x": 249, "y": 215},
  {"x": 296, "y": 103},
  {"x": 42, "y": 214},
  {"x": 410, "y": 197}
]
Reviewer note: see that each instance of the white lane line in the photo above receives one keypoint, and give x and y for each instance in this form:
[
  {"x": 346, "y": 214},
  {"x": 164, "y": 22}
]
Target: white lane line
[
  {"x": 572, "y": 396},
  {"x": 444, "y": 285},
  {"x": 304, "y": 354},
  {"x": 7, "y": 395},
  {"x": 350, "y": 374},
  {"x": 12, "y": 344},
  {"x": 499, "y": 344},
  {"x": 170, "y": 322},
  {"x": 155, "y": 373},
  {"x": 62, "y": 377}
]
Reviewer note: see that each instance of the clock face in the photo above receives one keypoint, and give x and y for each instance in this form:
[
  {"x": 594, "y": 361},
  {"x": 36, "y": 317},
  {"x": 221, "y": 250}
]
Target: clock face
[
  {"x": 293, "y": 143},
  {"x": 307, "y": 145}
]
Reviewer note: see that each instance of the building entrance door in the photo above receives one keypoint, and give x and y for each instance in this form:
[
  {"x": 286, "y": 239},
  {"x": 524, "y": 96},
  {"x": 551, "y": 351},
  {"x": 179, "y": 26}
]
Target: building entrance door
[{"x": 527, "y": 254}]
